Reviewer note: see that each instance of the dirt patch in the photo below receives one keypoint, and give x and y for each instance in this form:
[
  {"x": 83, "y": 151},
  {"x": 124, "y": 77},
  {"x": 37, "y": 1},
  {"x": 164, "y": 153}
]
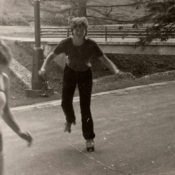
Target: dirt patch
[
  {"x": 140, "y": 65},
  {"x": 22, "y": 52}
]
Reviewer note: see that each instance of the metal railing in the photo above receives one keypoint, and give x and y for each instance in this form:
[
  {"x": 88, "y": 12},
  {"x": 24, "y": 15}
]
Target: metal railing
[{"x": 97, "y": 31}]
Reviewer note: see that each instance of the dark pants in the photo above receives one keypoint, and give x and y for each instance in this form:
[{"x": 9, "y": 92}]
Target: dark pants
[{"x": 83, "y": 79}]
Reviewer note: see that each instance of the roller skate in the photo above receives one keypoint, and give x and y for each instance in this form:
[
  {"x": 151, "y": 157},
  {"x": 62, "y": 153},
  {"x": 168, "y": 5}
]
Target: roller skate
[
  {"x": 90, "y": 145},
  {"x": 67, "y": 127}
]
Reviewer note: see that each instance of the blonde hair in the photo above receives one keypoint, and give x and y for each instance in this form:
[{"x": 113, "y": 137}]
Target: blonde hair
[
  {"x": 5, "y": 53},
  {"x": 79, "y": 21}
]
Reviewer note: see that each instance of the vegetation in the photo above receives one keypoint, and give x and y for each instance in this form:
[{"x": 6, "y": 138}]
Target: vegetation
[
  {"x": 159, "y": 13},
  {"x": 54, "y": 12},
  {"x": 161, "y": 17}
]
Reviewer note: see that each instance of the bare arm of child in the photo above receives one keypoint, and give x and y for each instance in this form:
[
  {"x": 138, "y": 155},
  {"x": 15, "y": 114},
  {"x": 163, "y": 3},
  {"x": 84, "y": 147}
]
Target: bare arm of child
[
  {"x": 48, "y": 59},
  {"x": 109, "y": 64},
  {"x": 8, "y": 116}
]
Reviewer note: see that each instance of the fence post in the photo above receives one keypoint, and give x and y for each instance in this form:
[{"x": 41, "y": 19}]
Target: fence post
[
  {"x": 106, "y": 33},
  {"x": 67, "y": 31},
  {"x": 38, "y": 52},
  {"x": 38, "y": 55}
]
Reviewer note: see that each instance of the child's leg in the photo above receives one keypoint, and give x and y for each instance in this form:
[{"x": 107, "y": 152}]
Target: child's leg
[
  {"x": 69, "y": 84},
  {"x": 85, "y": 89}
]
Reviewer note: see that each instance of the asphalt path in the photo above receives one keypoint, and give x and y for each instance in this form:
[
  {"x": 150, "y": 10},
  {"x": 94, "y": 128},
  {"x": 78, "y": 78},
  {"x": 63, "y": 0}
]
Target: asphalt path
[{"x": 135, "y": 135}]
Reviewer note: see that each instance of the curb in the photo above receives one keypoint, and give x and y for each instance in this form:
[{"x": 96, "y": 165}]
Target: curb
[{"x": 76, "y": 99}]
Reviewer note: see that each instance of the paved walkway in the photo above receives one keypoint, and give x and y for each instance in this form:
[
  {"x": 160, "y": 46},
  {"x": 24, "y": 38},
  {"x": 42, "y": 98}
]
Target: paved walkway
[{"x": 135, "y": 131}]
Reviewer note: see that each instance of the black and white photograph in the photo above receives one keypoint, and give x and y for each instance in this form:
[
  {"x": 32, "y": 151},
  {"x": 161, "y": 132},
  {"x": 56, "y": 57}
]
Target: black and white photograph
[{"x": 87, "y": 87}]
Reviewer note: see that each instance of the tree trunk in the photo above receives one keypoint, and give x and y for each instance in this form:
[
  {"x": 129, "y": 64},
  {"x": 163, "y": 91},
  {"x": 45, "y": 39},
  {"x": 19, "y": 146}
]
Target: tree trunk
[
  {"x": 78, "y": 7},
  {"x": 82, "y": 7}
]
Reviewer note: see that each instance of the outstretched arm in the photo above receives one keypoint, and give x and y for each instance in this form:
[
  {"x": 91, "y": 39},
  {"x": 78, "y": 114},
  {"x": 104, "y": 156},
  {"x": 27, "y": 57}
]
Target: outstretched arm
[
  {"x": 8, "y": 117},
  {"x": 109, "y": 64},
  {"x": 48, "y": 59}
]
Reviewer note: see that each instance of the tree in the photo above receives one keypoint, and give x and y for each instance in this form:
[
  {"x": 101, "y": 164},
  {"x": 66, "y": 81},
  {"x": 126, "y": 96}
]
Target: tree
[
  {"x": 161, "y": 19},
  {"x": 78, "y": 7},
  {"x": 82, "y": 7},
  {"x": 97, "y": 11}
]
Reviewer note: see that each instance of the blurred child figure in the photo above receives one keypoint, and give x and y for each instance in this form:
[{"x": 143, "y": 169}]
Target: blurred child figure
[{"x": 5, "y": 113}]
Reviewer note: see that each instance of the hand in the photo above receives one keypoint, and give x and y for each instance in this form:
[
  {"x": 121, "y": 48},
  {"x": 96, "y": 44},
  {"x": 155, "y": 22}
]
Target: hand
[
  {"x": 117, "y": 72},
  {"x": 127, "y": 75},
  {"x": 42, "y": 73},
  {"x": 26, "y": 136}
]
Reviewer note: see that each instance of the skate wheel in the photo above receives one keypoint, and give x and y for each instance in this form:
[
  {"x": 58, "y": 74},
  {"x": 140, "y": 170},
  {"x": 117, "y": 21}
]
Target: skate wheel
[{"x": 90, "y": 149}]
